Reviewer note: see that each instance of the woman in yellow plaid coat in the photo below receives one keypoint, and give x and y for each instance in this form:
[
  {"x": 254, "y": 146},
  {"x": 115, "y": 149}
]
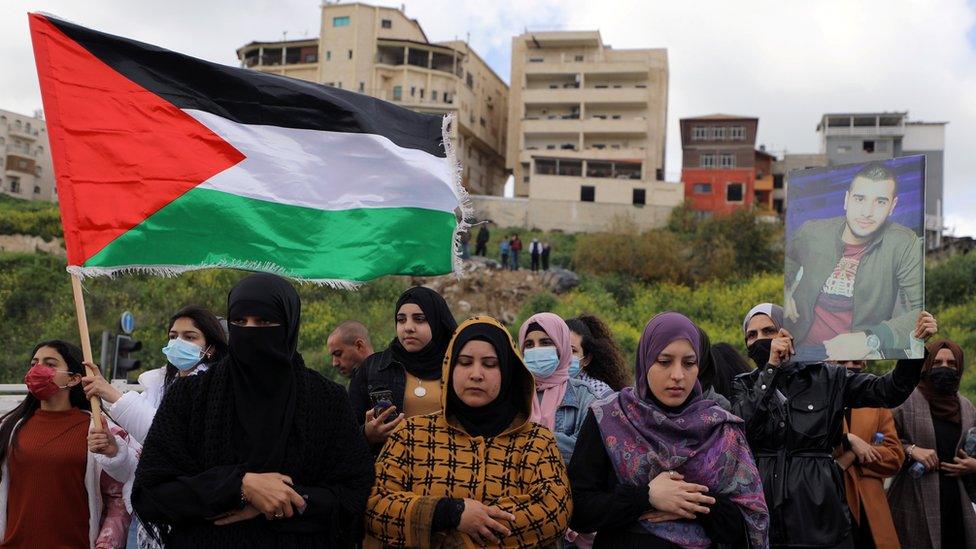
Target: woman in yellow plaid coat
[{"x": 478, "y": 472}]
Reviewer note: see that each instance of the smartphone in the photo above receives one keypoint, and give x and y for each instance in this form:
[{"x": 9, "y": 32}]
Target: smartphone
[{"x": 381, "y": 401}]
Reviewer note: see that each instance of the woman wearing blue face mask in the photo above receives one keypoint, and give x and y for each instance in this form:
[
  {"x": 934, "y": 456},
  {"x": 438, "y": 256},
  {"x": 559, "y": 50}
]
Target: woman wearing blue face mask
[
  {"x": 561, "y": 401},
  {"x": 196, "y": 340}
]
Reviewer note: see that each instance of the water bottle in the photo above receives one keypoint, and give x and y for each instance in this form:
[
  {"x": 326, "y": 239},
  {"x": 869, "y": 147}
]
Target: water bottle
[
  {"x": 879, "y": 438},
  {"x": 916, "y": 470}
]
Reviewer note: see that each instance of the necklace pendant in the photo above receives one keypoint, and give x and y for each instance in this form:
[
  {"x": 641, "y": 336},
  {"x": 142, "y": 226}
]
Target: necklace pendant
[{"x": 420, "y": 392}]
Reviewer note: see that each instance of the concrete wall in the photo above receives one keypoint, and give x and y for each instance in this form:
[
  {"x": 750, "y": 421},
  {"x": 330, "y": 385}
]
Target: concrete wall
[
  {"x": 30, "y": 244},
  {"x": 566, "y": 215}
]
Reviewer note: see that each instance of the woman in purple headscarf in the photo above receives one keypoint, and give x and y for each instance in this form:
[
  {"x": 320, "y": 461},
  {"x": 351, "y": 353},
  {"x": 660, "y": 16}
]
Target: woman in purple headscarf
[{"x": 658, "y": 466}]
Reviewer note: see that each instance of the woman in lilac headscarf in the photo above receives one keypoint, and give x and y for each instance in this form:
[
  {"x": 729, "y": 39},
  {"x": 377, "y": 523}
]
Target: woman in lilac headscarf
[{"x": 657, "y": 465}]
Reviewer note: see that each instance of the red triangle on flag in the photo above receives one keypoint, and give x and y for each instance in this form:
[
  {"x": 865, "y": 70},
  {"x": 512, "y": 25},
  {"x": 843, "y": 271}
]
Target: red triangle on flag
[{"x": 120, "y": 152}]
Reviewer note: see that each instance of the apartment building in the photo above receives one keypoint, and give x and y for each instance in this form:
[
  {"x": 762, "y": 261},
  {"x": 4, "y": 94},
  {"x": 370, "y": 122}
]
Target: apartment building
[
  {"x": 587, "y": 122},
  {"x": 847, "y": 138},
  {"x": 26, "y": 158},
  {"x": 718, "y": 163},
  {"x": 381, "y": 52}
]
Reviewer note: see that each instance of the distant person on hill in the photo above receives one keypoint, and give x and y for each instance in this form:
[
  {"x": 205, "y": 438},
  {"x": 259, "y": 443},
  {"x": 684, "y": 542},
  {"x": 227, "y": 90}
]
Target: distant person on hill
[
  {"x": 516, "y": 248},
  {"x": 465, "y": 244},
  {"x": 535, "y": 251},
  {"x": 504, "y": 247},
  {"x": 481, "y": 241},
  {"x": 545, "y": 256}
]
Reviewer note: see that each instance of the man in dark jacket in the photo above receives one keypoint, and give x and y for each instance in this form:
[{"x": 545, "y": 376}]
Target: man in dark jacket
[
  {"x": 794, "y": 418},
  {"x": 854, "y": 283},
  {"x": 481, "y": 241}
]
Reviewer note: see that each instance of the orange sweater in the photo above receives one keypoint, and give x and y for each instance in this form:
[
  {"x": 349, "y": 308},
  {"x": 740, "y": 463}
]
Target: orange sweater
[{"x": 47, "y": 505}]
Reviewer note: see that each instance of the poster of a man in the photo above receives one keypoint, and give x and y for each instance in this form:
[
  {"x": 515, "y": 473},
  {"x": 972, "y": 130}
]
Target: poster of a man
[{"x": 855, "y": 260}]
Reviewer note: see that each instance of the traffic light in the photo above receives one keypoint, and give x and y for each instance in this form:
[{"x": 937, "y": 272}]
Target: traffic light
[{"x": 122, "y": 363}]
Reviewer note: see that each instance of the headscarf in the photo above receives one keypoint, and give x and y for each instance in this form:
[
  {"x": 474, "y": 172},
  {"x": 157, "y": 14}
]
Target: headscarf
[
  {"x": 427, "y": 362},
  {"x": 698, "y": 439},
  {"x": 261, "y": 365},
  {"x": 516, "y": 382},
  {"x": 553, "y": 387},
  {"x": 773, "y": 311},
  {"x": 946, "y": 407}
]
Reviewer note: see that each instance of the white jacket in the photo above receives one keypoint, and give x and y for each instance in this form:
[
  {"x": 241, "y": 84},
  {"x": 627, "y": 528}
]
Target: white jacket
[
  {"x": 134, "y": 412},
  {"x": 93, "y": 475}
]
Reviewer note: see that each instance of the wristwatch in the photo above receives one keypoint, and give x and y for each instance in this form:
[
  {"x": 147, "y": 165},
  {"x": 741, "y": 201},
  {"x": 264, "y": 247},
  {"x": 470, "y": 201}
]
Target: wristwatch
[{"x": 873, "y": 341}]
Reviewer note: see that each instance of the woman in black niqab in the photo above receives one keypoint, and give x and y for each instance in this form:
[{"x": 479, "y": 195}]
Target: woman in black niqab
[{"x": 260, "y": 413}]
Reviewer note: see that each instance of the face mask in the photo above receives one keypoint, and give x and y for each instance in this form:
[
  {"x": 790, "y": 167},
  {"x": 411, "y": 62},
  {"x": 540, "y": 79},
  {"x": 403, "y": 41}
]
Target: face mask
[
  {"x": 40, "y": 382},
  {"x": 760, "y": 350},
  {"x": 541, "y": 361},
  {"x": 944, "y": 380},
  {"x": 854, "y": 370},
  {"x": 183, "y": 354},
  {"x": 574, "y": 367}
]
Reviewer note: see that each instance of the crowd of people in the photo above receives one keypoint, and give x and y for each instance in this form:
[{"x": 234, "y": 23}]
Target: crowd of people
[{"x": 461, "y": 435}]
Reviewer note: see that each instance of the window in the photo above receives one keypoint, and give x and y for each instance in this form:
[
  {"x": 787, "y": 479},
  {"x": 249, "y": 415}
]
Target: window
[
  {"x": 659, "y": 174},
  {"x": 702, "y": 188},
  {"x": 699, "y": 133},
  {"x": 599, "y": 169},
  {"x": 587, "y": 193},
  {"x": 15, "y": 185},
  {"x": 482, "y": 122},
  {"x": 706, "y": 161},
  {"x": 386, "y": 24},
  {"x": 640, "y": 197},
  {"x": 727, "y": 161},
  {"x": 469, "y": 80},
  {"x": 362, "y": 86},
  {"x": 350, "y": 54},
  {"x": 328, "y": 56},
  {"x": 340, "y": 21},
  {"x": 734, "y": 192},
  {"x": 311, "y": 57},
  {"x": 738, "y": 133},
  {"x": 447, "y": 97},
  {"x": 433, "y": 95},
  {"x": 413, "y": 91},
  {"x": 545, "y": 166},
  {"x": 719, "y": 132},
  {"x": 778, "y": 181},
  {"x": 21, "y": 163},
  {"x": 572, "y": 168},
  {"x": 37, "y": 190},
  {"x": 579, "y": 58},
  {"x": 536, "y": 59},
  {"x": 868, "y": 146},
  {"x": 421, "y": 93},
  {"x": 397, "y": 93}
]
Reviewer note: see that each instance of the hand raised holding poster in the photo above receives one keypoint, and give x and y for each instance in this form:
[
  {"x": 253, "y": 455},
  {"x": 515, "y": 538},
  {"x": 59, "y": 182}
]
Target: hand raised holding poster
[{"x": 853, "y": 286}]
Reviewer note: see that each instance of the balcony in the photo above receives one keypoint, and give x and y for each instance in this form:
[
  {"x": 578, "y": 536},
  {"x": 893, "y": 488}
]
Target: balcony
[
  {"x": 20, "y": 164},
  {"x": 23, "y": 133}
]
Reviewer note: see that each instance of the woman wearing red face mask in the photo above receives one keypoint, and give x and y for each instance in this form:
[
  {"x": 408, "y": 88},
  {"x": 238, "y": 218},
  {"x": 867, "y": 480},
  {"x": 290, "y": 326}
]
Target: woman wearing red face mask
[{"x": 52, "y": 492}]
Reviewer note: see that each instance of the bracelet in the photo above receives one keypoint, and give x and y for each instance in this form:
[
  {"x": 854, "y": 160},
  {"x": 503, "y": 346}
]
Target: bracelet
[
  {"x": 244, "y": 502},
  {"x": 908, "y": 452}
]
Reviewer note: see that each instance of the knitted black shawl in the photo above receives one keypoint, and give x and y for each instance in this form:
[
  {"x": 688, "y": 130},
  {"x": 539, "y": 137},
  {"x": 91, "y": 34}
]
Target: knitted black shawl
[{"x": 190, "y": 468}]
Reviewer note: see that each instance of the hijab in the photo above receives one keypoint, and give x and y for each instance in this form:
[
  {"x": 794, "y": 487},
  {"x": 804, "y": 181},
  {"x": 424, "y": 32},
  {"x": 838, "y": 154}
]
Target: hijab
[
  {"x": 773, "y": 311},
  {"x": 553, "y": 388},
  {"x": 262, "y": 363},
  {"x": 426, "y": 363},
  {"x": 700, "y": 440},
  {"x": 943, "y": 406},
  {"x": 495, "y": 417}
]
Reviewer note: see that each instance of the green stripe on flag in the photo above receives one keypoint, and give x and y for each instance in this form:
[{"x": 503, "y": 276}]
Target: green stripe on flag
[{"x": 212, "y": 228}]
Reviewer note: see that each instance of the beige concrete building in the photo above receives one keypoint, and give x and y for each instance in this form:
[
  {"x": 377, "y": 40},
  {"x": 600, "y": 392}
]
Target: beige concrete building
[
  {"x": 381, "y": 52},
  {"x": 587, "y": 122},
  {"x": 26, "y": 159}
]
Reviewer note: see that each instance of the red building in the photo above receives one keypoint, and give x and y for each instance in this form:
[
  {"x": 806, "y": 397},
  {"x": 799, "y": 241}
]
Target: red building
[{"x": 718, "y": 166}]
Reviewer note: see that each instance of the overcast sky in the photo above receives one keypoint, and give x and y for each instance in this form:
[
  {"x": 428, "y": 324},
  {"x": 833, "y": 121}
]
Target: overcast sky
[{"x": 784, "y": 62}]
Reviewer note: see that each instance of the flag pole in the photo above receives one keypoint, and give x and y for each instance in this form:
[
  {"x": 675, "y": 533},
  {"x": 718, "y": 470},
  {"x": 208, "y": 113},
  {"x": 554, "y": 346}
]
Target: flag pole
[{"x": 86, "y": 348}]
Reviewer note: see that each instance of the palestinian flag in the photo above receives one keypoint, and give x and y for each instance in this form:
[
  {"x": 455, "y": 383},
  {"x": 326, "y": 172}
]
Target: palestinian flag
[{"x": 166, "y": 163}]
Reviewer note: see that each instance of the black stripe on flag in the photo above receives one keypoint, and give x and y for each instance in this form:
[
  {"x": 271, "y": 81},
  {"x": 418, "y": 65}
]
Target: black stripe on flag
[{"x": 252, "y": 97}]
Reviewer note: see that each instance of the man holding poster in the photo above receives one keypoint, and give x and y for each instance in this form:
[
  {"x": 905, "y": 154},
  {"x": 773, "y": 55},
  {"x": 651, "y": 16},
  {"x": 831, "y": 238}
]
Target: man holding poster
[{"x": 854, "y": 282}]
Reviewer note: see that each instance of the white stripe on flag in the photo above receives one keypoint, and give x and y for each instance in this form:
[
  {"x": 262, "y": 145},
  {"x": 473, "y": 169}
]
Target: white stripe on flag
[{"x": 329, "y": 170}]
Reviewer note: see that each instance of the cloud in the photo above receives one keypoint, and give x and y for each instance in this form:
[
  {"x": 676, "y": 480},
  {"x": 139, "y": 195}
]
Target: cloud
[{"x": 786, "y": 63}]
